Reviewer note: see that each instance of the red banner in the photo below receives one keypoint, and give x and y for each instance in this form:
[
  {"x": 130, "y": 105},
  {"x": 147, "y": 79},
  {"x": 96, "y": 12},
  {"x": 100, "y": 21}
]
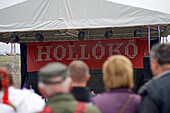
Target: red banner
[{"x": 93, "y": 52}]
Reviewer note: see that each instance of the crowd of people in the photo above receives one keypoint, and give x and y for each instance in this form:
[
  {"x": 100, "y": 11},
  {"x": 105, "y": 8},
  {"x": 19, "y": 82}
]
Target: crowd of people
[{"x": 66, "y": 91}]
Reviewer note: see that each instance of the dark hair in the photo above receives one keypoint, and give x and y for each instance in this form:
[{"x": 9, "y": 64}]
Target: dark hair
[
  {"x": 161, "y": 52},
  {"x": 8, "y": 74}
]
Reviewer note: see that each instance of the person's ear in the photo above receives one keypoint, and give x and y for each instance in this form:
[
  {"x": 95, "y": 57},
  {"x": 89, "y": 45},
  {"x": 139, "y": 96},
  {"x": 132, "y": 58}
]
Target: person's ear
[
  {"x": 43, "y": 91},
  {"x": 88, "y": 77},
  {"x": 70, "y": 85},
  {"x": 155, "y": 67}
]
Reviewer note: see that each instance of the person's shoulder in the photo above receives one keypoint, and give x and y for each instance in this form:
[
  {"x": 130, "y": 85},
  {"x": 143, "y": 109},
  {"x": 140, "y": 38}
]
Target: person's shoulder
[
  {"x": 6, "y": 109},
  {"x": 159, "y": 84},
  {"x": 18, "y": 92},
  {"x": 143, "y": 88},
  {"x": 163, "y": 80},
  {"x": 91, "y": 108},
  {"x": 22, "y": 93},
  {"x": 153, "y": 89},
  {"x": 26, "y": 99},
  {"x": 99, "y": 96},
  {"x": 136, "y": 98}
]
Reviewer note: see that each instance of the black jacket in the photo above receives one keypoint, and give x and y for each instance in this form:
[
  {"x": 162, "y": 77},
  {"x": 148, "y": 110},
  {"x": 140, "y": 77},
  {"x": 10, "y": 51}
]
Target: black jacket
[
  {"x": 155, "y": 96},
  {"x": 81, "y": 93}
]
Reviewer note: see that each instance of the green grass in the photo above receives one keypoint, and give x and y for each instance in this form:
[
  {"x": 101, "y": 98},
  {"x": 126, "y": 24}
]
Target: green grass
[{"x": 6, "y": 61}]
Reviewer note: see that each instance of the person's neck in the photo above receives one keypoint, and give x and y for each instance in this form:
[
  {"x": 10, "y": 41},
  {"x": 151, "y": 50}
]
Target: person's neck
[
  {"x": 50, "y": 95},
  {"x": 164, "y": 68},
  {"x": 78, "y": 84}
]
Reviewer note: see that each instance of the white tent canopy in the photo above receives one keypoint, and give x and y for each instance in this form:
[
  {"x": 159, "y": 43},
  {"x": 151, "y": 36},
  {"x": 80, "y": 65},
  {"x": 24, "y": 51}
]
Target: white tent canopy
[
  {"x": 36, "y": 15},
  {"x": 157, "y": 5}
]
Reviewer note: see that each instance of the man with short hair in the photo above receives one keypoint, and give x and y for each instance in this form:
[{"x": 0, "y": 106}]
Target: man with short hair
[
  {"x": 55, "y": 85},
  {"x": 155, "y": 96},
  {"x": 79, "y": 73}
]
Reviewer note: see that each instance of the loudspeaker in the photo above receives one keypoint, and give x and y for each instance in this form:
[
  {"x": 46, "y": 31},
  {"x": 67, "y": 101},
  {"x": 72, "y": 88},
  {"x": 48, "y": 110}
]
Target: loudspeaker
[
  {"x": 81, "y": 35},
  {"x": 137, "y": 33},
  {"x": 146, "y": 70}
]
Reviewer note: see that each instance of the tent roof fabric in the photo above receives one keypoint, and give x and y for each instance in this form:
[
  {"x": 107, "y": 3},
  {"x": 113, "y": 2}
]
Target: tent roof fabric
[{"x": 37, "y": 15}]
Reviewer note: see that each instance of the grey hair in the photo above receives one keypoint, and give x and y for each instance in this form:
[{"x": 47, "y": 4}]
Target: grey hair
[
  {"x": 161, "y": 53},
  {"x": 61, "y": 87}
]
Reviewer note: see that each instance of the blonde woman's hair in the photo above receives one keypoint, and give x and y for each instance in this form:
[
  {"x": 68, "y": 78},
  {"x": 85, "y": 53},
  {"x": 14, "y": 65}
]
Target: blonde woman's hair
[{"x": 118, "y": 72}]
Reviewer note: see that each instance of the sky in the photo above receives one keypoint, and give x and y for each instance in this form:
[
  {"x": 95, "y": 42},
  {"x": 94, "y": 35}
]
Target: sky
[
  {"x": 157, "y": 5},
  {"x": 7, "y": 47}
]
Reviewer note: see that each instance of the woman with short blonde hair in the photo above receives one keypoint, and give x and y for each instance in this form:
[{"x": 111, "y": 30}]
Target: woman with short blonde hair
[
  {"x": 118, "y": 80},
  {"x": 118, "y": 72}
]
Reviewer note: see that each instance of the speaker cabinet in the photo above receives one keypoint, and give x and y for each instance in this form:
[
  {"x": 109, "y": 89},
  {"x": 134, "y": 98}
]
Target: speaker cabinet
[{"x": 146, "y": 70}]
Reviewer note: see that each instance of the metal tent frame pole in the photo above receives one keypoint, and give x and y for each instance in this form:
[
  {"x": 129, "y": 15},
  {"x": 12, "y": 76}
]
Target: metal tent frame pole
[
  {"x": 13, "y": 62},
  {"x": 149, "y": 38},
  {"x": 159, "y": 35}
]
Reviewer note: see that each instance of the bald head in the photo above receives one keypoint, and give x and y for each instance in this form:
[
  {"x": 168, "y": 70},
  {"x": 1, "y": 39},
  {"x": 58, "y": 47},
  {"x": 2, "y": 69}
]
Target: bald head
[{"x": 78, "y": 71}]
